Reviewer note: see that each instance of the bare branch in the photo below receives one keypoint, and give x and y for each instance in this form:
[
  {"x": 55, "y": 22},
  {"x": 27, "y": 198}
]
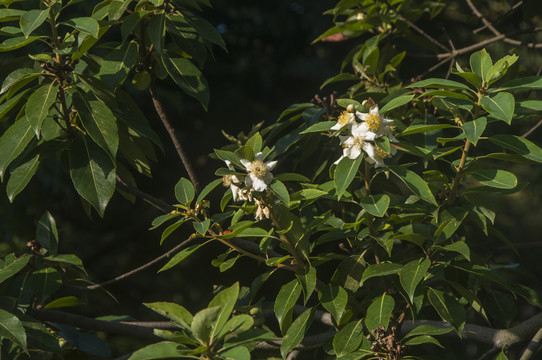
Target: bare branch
[
  {"x": 528, "y": 132},
  {"x": 154, "y": 201},
  {"x": 421, "y": 32},
  {"x": 533, "y": 346},
  {"x": 517, "y": 5}
]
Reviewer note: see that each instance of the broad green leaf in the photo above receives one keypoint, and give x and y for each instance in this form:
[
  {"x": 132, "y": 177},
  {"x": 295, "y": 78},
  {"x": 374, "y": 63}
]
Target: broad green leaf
[
  {"x": 348, "y": 339},
  {"x": 47, "y": 234},
  {"x": 381, "y": 269},
  {"x": 12, "y": 328},
  {"x": 412, "y": 273},
  {"x": 250, "y": 336},
  {"x": 428, "y": 330},
  {"x": 307, "y": 278},
  {"x": 184, "y": 192},
  {"x": 349, "y": 272},
  {"x": 205, "y": 29},
  {"x": 92, "y": 173},
  {"x": 45, "y": 282},
  {"x": 10, "y": 14},
  {"x": 13, "y": 142},
  {"x": 188, "y": 77},
  {"x": 480, "y": 63},
  {"x": 415, "y": 183},
  {"x": 11, "y": 103},
  {"x": 180, "y": 256},
  {"x": 130, "y": 22},
  {"x": 448, "y": 308},
  {"x": 285, "y": 301},
  {"x": 69, "y": 259},
  {"x": 500, "y": 106},
  {"x": 339, "y": 77},
  {"x": 117, "y": 64},
  {"x": 449, "y": 222},
  {"x": 99, "y": 122},
  {"x": 117, "y": 8},
  {"x": 204, "y": 323},
  {"x": 423, "y": 339},
  {"x": 11, "y": 44},
  {"x": 13, "y": 267},
  {"x": 255, "y": 142},
  {"x": 345, "y": 172},
  {"x": 157, "y": 31},
  {"x": 238, "y": 323},
  {"x": 39, "y": 103},
  {"x": 415, "y": 129},
  {"x": 226, "y": 299},
  {"x": 207, "y": 189},
  {"x": 21, "y": 176},
  {"x": 66, "y": 301},
  {"x": 439, "y": 83},
  {"x": 202, "y": 227},
  {"x": 319, "y": 127},
  {"x": 496, "y": 178},
  {"x": 474, "y": 129},
  {"x": 376, "y": 205},
  {"x": 500, "y": 67},
  {"x": 308, "y": 194},
  {"x": 519, "y": 145},
  {"x": 161, "y": 350},
  {"x": 84, "y": 24},
  {"x": 396, "y": 102},
  {"x": 236, "y": 353},
  {"x": 31, "y": 19},
  {"x": 280, "y": 190},
  {"x": 296, "y": 332},
  {"x": 524, "y": 83},
  {"x": 172, "y": 311},
  {"x": 379, "y": 312},
  {"x": 459, "y": 247},
  {"x": 334, "y": 299}
]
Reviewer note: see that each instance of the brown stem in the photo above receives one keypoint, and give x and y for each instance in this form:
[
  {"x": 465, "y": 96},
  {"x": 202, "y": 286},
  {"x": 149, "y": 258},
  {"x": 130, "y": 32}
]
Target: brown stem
[
  {"x": 451, "y": 197},
  {"x": 154, "y": 201},
  {"x": 528, "y": 132},
  {"x": 171, "y": 131},
  {"x": 421, "y": 32},
  {"x": 533, "y": 346}
]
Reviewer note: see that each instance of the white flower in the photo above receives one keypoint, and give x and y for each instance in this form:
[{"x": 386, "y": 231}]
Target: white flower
[
  {"x": 259, "y": 172},
  {"x": 378, "y": 155},
  {"x": 262, "y": 211},
  {"x": 233, "y": 182},
  {"x": 356, "y": 143},
  {"x": 374, "y": 125},
  {"x": 346, "y": 118}
]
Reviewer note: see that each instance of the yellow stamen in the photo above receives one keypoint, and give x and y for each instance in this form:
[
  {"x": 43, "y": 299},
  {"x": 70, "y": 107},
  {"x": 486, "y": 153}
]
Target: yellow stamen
[
  {"x": 373, "y": 122},
  {"x": 226, "y": 180},
  {"x": 359, "y": 141},
  {"x": 381, "y": 153},
  {"x": 344, "y": 118},
  {"x": 258, "y": 168}
]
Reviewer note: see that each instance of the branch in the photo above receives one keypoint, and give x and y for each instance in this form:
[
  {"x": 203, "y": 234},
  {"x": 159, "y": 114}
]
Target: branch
[
  {"x": 167, "y": 124},
  {"x": 421, "y": 32},
  {"x": 154, "y": 201},
  {"x": 528, "y": 132},
  {"x": 533, "y": 346}
]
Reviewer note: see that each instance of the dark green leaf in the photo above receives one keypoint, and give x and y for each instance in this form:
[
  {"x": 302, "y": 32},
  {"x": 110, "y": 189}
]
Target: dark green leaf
[
  {"x": 12, "y": 328},
  {"x": 448, "y": 308},
  {"x": 415, "y": 183},
  {"x": 172, "y": 311},
  {"x": 207, "y": 189},
  {"x": 344, "y": 174},
  {"x": 84, "y": 24},
  {"x": 184, "y": 192},
  {"x": 379, "y": 312},
  {"x": 524, "y": 83},
  {"x": 412, "y": 273},
  {"x": 47, "y": 234},
  {"x": 12, "y": 267},
  {"x": 92, "y": 173},
  {"x": 117, "y": 64},
  {"x": 519, "y": 145},
  {"x": 45, "y": 282},
  {"x": 296, "y": 332},
  {"x": 157, "y": 30},
  {"x": 423, "y": 339},
  {"x": 161, "y": 350},
  {"x": 226, "y": 299},
  {"x": 17, "y": 42},
  {"x": 202, "y": 227},
  {"x": 474, "y": 129},
  {"x": 319, "y": 127},
  {"x": 236, "y": 353},
  {"x": 180, "y": 256},
  {"x": 204, "y": 323},
  {"x": 13, "y": 142},
  {"x": 381, "y": 269},
  {"x": 376, "y": 205},
  {"x": 396, "y": 102},
  {"x": 206, "y": 30},
  {"x": 480, "y": 63},
  {"x": 30, "y": 20},
  {"x": 285, "y": 301},
  {"x": 348, "y": 339},
  {"x": 439, "y": 83},
  {"x": 334, "y": 299},
  {"x": 188, "y": 77},
  {"x": 280, "y": 190},
  {"x": 307, "y": 278},
  {"x": 66, "y": 301},
  {"x": 500, "y": 106},
  {"x": 21, "y": 176},
  {"x": 459, "y": 247},
  {"x": 39, "y": 103},
  {"x": 428, "y": 330},
  {"x": 496, "y": 178},
  {"x": 415, "y": 129}
]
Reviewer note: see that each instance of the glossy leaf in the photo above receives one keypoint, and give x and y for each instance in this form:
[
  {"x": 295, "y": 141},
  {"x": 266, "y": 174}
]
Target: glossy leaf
[
  {"x": 92, "y": 173},
  {"x": 296, "y": 332},
  {"x": 47, "y": 234},
  {"x": 474, "y": 129},
  {"x": 188, "y": 77},
  {"x": 428, "y": 330},
  {"x": 31, "y": 19},
  {"x": 66, "y": 301},
  {"x": 13, "y": 142},
  {"x": 184, "y": 192},
  {"x": 172, "y": 311},
  {"x": 334, "y": 299},
  {"x": 161, "y": 350},
  {"x": 448, "y": 308},
  {"x": 396, "y": 102},
  {"x": 237, "y": 323},
  {"x": 319, "y": 127},
  {"x": 204, "y": 322},
  {"x": 236, "y": 353},
  {"x": 21, "y": 176},
  {"x": 412, "y": 273},
  {"x": 280, "y": 190},
  {"x": 519, "y": 145},
  {"x": 496, "y": 178},
  {"x": 439, "y": 83},
  {"x": 415, "y": 183},
  {"x": 39, "y": 103},
  {"x": 524, "y": 83},
  {"x": 205, "y": 29},
  {"x": 376, "y": 205},
  {"x": 345, "y": 172},
  {"x": 421, "y": 128},
  {"x": 500, "y": 106},
  {"x": 348, "y": 339},
  {"x": 285, "y": 301},
  {"x": 480, "y": 63},
  {"x": 379, "y": 312},
  {"x": 12, "y": 328},
  {"x": 423, "y": 339},
  {"x": 180, "y": 256},
  {"x": 226, "y": 299},
  {"x": 84, "y": 24},
  {"x": 381, "y": 269},
  {"x": 12, "y": 267},
  {"x": 307, "y": 278},
  {"x": 45, "y": 282},
  {"x": 117, "y": 64},
  {"x": 202, "y": 227},
  {"x": 157, "y": 30},
  {"x": 14, "y": 43}
]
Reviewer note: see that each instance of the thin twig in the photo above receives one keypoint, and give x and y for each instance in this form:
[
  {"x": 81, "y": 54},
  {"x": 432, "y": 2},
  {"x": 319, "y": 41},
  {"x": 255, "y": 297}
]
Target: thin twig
[
  {"x": 528, "y": 132},
  {"x": 141, "y": 268},
  {"x": 171, "y": 131},
  {"x": 518, "y": 4},
  {"x": 154, "y": 201},
  {"x": 490, "y": 354},
  {"x": 533, "y": 346},
  {"x": 421, "y": 32}
]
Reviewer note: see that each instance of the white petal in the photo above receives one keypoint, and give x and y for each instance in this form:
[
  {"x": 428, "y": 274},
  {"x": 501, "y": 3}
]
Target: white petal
[
  {"x": 245, "y": 163},
  {"x": 361, "y": 116},
  {"x": 228, "y": 164},
  {"x": 362, "y": 130},
  {"x": 258, "y": 156},
  {"x": 370, "y": 150},
  {"x": 271, "y": 164},
  {"x": 234, "y": 191},
  {"x": 374, "y": 110},
  {"x": 268, "y": 177},
  {"x": 339, "y": 160},
  {"x": 355, "y": 152},
  {"x": 249, "y": 179},
  {"x": 386, "y": 121},
  {"x": 349, "y": 141},
  {"x": 343, "y": 139},
  {"x": 337, "y": 126},
  {"x": 258, "y": 184}
]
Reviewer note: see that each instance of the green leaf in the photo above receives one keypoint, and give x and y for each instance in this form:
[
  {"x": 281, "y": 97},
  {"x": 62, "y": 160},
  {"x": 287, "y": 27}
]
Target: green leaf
[
  {"x": 118, "y": 63},
  {"x": 480, "y": 63},
  {"x": 117, "y": 8},
  {"x": 348, "y": 339},
  {"x": 344, "y": 174},
  {"x": 448, "y": 308},
  {"x": 249, "y": 336},
  {"x": 188, "y": 77},
  {"x": 519, "y": 145},
  {"x": 376, "y": 205},
  {"x": 10, "y": 14},
  {"x": 236, "y": 353},
  {"x": 428, "y": 330},
  {"x": 334, "y": 299},
  {"x": 307, "y": 278},
  {"x": 496, "y": 178},
  {"x": 207, "y": 189},
  {"x": 415, "y": 183},
  {"x": 524, "y": 83},
  {"x": 500, "y": 67},
  {"x": 502, "y": 355},
  {"x": 226, "y": 299},
  {"x": 69, "y": 259},
  {"x": 439, "y": 83},
  {"x": 500, "y": 106},
  {"x": 319, "y": 127},
  {"x": 238, "y": 323},
  {"x": 415, "y": 129},
  {"x": 180, "y": 256},
  {"x": 381, "y": 269},
  {"x": 92, "y": 173},
  {"x": 161, "y": 350},
  {"x": 157, "y": 31},
  {"x": 66, "y": 301},
  {"x": 45, "y": 282},
  {"x": 205, "y": 29},
  {"x": 99, "y": 122},
  {"x": 84, "y": 24},
  {"x": 39, "y": 103},
  {"x": 13, "y": 142},
  {"x": 285, "y": 301},
  {"x": 280, "y": 190},
  {"x": 31, "y": 19},
  {"x": 204, "y": 322},
  {"x": 172, "y": 311},
  {"x": 296, "y": 332},
  {"x": 339, "y": 77},
  {"x": 255, "y": 142},
  {"x": 412, "y": 273},
  {"x": 459, "y": 247},
  {"x": 11, "y": 44},
  {"x": 47, "y": 234},
  {"x": 12, "y": 328},
  {"x": 379, "y": 312},
  {"x": 184, "y": 192},
  {"x": 423, "y": 339},
  {"x": 11, "y": 268},
  {"x": 396, "y": 102},
  {"x": 202, "y": 227},
  {"x": 474, "y": 129},
  {"x": 21, "y": 176}
]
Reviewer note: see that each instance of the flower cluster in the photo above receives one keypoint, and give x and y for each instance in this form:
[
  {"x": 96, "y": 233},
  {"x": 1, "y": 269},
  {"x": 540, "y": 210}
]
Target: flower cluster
[
  {"x": 362, "y": 135},
  {"x": 258, "y": 176}
]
